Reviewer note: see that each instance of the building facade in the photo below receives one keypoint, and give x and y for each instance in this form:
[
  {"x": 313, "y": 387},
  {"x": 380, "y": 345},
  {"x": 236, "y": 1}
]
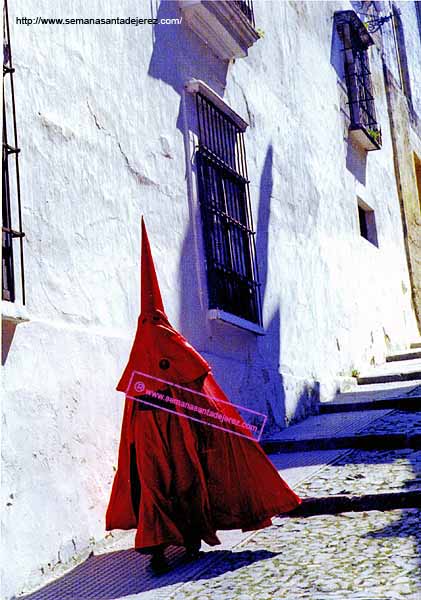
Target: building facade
[{"x": 274, "y": 150}]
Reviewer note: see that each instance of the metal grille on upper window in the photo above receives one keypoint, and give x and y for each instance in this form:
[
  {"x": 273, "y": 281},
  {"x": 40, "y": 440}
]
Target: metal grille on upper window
[
  {"x": 363, "y": 128},
  {"x": 226, "y": 216}
]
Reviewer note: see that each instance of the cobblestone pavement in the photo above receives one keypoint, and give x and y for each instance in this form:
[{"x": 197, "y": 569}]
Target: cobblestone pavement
[
  {"x": 369, "y": 472},
  {"x": 362, "y": 556},
  {"x": 372, "y": 555},
  {"x": 396, "y": 422},
  {"x": 366, "y": 472}
]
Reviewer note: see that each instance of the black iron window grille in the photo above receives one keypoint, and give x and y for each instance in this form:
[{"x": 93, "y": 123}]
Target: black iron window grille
[
  {"x": 11, "y": 202},
  {"x": 246, "y": 7},
  {"x": 226, "y": 214},
  {"x": 362, "y": 112},
  {"x": 362, "y": 109}
]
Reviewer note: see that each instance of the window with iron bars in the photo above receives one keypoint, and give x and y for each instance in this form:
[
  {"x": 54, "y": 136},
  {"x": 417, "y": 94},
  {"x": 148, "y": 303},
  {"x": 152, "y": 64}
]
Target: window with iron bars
[
  {"x": 11, "y": 203},
  {"x": 226, "y": 214},
  {"x": 362, "y": 112},
  {"x": 362, "y": 109}
]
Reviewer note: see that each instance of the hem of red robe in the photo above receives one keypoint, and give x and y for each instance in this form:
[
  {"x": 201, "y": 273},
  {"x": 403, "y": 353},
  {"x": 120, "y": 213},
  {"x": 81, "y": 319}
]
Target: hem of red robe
[{"x": 261, "y": 521}]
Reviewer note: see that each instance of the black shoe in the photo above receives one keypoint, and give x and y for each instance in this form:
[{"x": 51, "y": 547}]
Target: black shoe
[
  {"x": 193, "y": 550},
  {"x": 159, "y": 564}
]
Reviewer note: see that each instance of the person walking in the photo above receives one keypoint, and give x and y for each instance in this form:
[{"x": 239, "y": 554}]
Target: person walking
[{"x": 179, "y": 481}]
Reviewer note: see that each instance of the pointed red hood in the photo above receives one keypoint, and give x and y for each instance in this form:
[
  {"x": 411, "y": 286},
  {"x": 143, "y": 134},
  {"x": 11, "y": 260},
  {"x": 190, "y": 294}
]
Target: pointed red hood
[
  {"x": 158, "y": 349},
  {"x": 150, "y": 293}
]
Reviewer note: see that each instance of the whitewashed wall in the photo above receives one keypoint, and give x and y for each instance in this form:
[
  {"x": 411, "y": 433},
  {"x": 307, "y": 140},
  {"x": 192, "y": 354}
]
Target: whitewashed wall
[{"x": 102, "y": 121}]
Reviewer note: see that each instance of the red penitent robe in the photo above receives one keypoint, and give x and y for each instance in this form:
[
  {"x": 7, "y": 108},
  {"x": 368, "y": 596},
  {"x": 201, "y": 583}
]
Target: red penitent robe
[{"x": 177, "y": 480}]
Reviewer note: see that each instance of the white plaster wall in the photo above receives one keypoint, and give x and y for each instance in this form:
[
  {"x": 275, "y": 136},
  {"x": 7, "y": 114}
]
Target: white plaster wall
[{"x": 102, "y": 129}]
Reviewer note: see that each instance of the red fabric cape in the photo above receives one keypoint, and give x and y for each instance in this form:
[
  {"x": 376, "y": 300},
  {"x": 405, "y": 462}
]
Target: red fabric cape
[{"x": 178, "y": 480}]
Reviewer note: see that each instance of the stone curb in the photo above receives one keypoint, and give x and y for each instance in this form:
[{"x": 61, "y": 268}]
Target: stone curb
[
  {"x": 405, "y": 404},
  {"x": 332, "y": 505},
  {"x": 372, "y": 441}
]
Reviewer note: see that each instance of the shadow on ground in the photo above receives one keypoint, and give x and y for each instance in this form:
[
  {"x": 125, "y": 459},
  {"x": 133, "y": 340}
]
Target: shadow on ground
[{"x": 123, "y": 573}]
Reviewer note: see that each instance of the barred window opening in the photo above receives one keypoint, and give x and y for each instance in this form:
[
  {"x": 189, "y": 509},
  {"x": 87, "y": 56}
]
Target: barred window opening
[
  {"x": 11, "y": 203},
  {"x": 226, "y": 216},
  {"x": 365, "y": 94},
  {"x": 362, "y": 111},
  {"x": 364, "y": 98}
]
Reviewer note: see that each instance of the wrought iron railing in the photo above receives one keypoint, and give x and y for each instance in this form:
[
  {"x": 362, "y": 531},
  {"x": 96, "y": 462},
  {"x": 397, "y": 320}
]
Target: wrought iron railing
[
  {"x": 360, "y": 92},
  {"x": 11, "y": 201},
  {"x": 362, "y": 111}
]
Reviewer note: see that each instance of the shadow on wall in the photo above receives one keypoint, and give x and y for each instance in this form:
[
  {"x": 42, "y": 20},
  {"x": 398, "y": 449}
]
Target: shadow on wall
[
  {"x": 7, "y": 335},
  {"x": 261, "y": 356},
  {"x": 356, "y": 162},
  {"x": 275, "y": 401},
  {"x": 189, "y": 58},
  {"x": 178, "y": 55},
  {"x": 309, "y": 396}
]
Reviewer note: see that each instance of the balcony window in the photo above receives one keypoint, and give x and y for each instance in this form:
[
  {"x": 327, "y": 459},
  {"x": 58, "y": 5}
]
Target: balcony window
[
  {"x": 229, "y": 238},
  {"x": 363, "y": 128},
  {"x": 226, "y": 27}
]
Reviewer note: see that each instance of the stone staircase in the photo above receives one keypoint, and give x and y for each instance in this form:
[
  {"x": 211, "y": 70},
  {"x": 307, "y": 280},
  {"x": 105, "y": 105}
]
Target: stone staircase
[
  {"x": 380, "y": 416},
  {"x": 400, "y": 366}
]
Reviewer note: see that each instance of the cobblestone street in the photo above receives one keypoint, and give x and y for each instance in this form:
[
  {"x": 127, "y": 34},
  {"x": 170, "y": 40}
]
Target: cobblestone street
[
  {"x": 365, "y": 555},
  {"x": 360, "y": 555},
  {"x": 369, "y": 556}
]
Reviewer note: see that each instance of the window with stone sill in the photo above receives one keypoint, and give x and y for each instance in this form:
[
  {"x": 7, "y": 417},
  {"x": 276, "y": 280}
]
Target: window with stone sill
[
  {"x": 224, "y": 196},
  {"x": 364, "y": 128},
  {"x": 367, "y": 222}
]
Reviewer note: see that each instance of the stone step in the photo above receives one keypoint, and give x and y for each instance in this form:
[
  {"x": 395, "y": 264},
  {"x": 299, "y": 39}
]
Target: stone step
[
  {"x": 404, "y": 370},
  {"x": 343, "y": 406},
  {"x": 389, "y": 377},
  {"x": 332, "y": 505},
  {"x": 330, "y": 425},
  {"x": 406, "y": 355},
  {"x": 372, "y": 441}
]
